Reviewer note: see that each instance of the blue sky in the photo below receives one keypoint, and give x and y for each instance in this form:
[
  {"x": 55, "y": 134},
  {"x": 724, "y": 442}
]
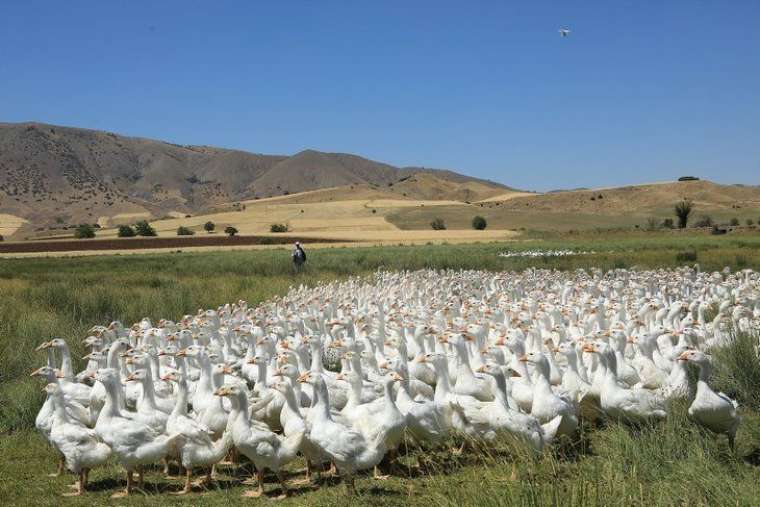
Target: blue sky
[{"x": 639, "y": 91}]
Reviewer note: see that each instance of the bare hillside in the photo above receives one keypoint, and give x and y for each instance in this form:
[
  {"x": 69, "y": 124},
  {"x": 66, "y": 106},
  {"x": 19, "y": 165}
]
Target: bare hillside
[{"x": 52, "y": 177}]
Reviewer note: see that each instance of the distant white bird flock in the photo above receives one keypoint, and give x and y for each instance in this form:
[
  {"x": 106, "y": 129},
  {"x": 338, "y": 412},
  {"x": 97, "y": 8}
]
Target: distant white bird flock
[
  {"x": 544, "y": 253},
  {"x": 425, "y": 354}
]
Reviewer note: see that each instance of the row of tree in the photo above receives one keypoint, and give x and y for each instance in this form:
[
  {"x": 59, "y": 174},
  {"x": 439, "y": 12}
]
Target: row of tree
[
  {"x": 478, "y": 223},
  {"x": 143, "y": 228}
]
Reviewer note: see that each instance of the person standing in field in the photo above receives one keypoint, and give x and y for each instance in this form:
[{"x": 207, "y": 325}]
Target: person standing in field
[{"x": 299, "y": 256}]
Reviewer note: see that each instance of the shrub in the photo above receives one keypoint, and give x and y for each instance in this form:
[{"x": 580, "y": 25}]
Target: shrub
[
  {"x": 737, "y": 368},
  {"x": 704, "y": 221},
  {"x": 683, "y": 210},
  {"x": 2, "y": 238},
  {"x": 651, "y": 224},
  {"x": 230, "y": 231},
  {"x": 716, "y": 230},
  {"x": 750, "y": 222},
  {"x": 668, "y": 223},
  {"x": 278, "y": 228},
  {"x": 686, "y": 256},
  {"x": 688, "y": 178},
  {"x": 184, "y": 231},
  {"x": 209, "y": 227},
  {"x": 479, "y": 223},
  {"x": 438, "y": 224},
  {"x": 125, "y": 231},
  {"x": 734, "y": 222},
  {"x": 143, "y": 228},
  {"x": 84, "y": 231}
]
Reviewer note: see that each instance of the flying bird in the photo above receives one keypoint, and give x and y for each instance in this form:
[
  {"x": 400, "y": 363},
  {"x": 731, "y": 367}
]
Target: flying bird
[{"x": 564, "y": 32}]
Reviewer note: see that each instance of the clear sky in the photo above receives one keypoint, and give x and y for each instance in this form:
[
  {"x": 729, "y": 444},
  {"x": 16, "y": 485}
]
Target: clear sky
[{"x": 638, "y": 92}]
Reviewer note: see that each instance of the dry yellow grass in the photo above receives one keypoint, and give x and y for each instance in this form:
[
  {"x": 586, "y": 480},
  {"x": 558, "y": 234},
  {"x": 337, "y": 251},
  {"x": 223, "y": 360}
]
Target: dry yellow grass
[
  {"x": 345, "y": 219},
  {"x": 508, "y": 195},
  {"x": 9, "y": 224}
]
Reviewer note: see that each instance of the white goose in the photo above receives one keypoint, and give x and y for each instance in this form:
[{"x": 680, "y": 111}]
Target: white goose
[
  {"x": 196, "y": 447},
  {"x": 715, "y": 411},
  {"x": 134, "y": 443},
  {"x": 348, "y": 448},
  {"x": 79, "y": 445},
  {"x": 266, "y": 449},
  {"x": 546, "y": 404}
]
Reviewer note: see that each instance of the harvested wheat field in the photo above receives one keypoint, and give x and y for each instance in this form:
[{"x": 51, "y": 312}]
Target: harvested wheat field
[
  {"x": 349, "y": 220},
  {"x": 9, "y": 224}
]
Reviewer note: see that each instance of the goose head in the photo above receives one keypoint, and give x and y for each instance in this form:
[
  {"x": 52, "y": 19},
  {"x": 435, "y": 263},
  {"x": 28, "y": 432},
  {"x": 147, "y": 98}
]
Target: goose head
[
  {"x": 46, "y": 372},
  {"x": 539, "y": 362},
  {"x": 137, "y": 375}
]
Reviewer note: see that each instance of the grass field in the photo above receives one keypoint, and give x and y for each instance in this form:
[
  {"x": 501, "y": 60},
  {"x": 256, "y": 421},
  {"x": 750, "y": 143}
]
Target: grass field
[{"x": 673, "y": 463}]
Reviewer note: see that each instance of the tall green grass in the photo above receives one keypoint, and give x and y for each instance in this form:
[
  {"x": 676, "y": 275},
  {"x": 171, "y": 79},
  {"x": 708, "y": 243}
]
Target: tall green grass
[
  {"x": 672, "y": 463},
  {"x": 737, "y": 368}
]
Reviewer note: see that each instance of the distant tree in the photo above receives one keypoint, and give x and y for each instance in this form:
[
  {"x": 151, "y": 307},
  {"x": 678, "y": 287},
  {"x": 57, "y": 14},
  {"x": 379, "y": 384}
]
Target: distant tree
[
  {"x": 651, "y": 224},
  {"x": 734, "y": 222},
  {"x": 479, "y": 223},
  {"x": 2, "y": 238},
  {"x": 438, "y": 224},
  {"x": 209, "y": 227},
  {"x": 230, "y": 231},
  {"x": 668, "y": 223},
  {"x": 143, "y": 228},
  {"x": 184, "y": 231},
  {"x": 750, "y": 222},
  {"x": 84, "y": 231},
  {"x": 278, "y": 228},
  {"x": 683, "y": 210},
  {"x": 126, "y": 231}
]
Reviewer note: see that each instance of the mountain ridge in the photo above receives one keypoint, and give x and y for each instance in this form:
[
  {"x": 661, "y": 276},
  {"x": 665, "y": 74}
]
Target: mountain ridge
[{"x": 51, "y": 174}]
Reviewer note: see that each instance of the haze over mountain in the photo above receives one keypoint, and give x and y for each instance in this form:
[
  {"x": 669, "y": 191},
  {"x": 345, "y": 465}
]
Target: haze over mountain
[{"x": 51, "y": 174}]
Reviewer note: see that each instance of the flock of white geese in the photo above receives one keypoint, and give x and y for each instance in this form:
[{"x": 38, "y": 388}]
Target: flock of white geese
[
  {"x": 544, "y": 253},
  {"x": 339, "y": 373}
]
